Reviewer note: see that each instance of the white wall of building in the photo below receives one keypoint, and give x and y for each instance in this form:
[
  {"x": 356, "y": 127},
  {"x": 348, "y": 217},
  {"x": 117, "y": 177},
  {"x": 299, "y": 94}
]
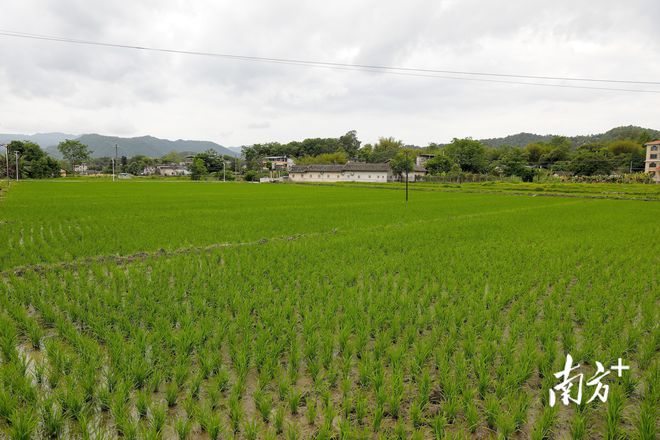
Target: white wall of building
[{"x": 343, "y": 176}]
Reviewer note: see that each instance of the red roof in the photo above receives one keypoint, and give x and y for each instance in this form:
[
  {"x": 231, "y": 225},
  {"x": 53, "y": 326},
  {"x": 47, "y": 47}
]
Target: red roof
[{"x": 656, "y": 142}]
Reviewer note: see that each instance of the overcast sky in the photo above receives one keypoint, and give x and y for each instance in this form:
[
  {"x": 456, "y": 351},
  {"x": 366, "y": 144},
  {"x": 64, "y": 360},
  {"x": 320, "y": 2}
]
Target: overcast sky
[{"x": 50, "y": 86}]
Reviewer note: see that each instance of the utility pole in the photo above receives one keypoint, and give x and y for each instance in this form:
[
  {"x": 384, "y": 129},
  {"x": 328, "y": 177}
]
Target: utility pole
[
  {"x": 224, "y": 175},
  {"x": 16, "y": 153},
  {"x": 631, "y": 162},
  {"x": 7, "y": 158},
  {"x": 407, "y": 166},
  {"x": 113, "y": 169}
]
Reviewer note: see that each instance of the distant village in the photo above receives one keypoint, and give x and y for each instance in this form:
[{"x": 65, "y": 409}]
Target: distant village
[{"x": 622, "y": 155}]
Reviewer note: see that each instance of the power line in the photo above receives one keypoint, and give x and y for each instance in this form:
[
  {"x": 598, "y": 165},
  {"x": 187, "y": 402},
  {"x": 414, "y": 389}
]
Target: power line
[{"x": 402, "y": 71}]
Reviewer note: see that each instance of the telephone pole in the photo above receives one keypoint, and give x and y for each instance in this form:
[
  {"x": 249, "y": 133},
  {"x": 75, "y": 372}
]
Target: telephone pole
[
  {"x": 7, "y": 158},
  {"x": 113, "y": 164},
  {"x": 16, "y": 153},
  {"x": 407, "y": 166}
]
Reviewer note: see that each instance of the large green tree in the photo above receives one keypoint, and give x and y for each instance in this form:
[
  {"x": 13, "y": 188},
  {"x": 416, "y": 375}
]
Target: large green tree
[
  {"x": 75, "y": 152},
  {"x": 326, "y": 158},
  {"x": 513, "y": 162},
  {"x": 438, "y": 165},
  {"x": 589, "y": 163},
  {"x": 33, "y": 162},
  {"x": 350, "y": 143},
  {"x": 198, "y": 169},
  {"x": 469, "y": 154},
  {"x": 402, "y": 162},
  {"x": 385, "y": 149}
]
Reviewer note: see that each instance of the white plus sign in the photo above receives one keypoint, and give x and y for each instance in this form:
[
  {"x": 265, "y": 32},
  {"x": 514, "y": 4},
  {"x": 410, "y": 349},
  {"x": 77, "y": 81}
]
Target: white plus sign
[{"x": 619, "y": 367}]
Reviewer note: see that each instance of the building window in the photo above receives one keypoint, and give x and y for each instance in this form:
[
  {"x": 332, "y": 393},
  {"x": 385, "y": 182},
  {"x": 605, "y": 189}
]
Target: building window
[
  {"x": 654, "y": 148},
  {"x": 653, "y": 156},
  {"x": 652, "y": 165}
]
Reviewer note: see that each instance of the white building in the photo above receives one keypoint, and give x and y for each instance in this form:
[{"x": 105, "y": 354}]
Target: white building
[
  {"x": 652, "y": 163},
  {"x": 80, "y": 169},
  {"x": 350, "y": 172},
  {"x": 277, "y": 162},
  {"x": 421, "y": 159},
  {"x": 172, "y": 170}
]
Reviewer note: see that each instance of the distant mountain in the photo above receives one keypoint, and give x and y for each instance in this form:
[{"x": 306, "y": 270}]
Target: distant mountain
[
  {"x": 143, "y": 145},
  {"x": 627, "y": 132},
  {"x": 44, "y": 140},
  {"x": 517, "y": 140},
  {"x": 237, "y": 150}
]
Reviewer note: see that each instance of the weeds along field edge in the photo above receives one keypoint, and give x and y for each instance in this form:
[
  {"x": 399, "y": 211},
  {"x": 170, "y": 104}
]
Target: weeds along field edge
[{"x": 422, "y": 329}]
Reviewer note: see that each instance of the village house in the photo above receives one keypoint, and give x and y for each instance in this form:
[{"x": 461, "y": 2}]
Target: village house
[
  {"x": 172, "y": 170},
  {"x": 80, "y": 169},
  {"x": 277, "y": 163},
  {"x": 350, "y": 172},
  {"x": 421, "y": 159},
  {"x": 652, "y": 163}
]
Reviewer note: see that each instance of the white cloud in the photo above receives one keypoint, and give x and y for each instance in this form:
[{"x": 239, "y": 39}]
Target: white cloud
[{"x": 48, "y": 86}]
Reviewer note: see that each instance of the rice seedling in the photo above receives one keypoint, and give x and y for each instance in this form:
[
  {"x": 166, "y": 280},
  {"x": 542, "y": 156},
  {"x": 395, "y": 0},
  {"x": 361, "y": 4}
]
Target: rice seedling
[
  {"x": 646, "y": 421},
  {"x": 183, "y": 428},
  {"x": 22, "y": 425},
  {"x": 171, "y": 394},
  {"x": 543, "y": 428},
  {"x": 311, "y": 411},
  {"x": 416, "y": 415},
  {"x": 378, "y": 417},
  {"x": 615, "y": 402},
  {"x": 472, "y": 417},
  {"x": 361, "y": 407},
  {"x": 292, "y": 432},
  {"x": 52, "y": 419},
  {"x": 579, "y": 426},
  {"x": 506, "y": 425},
  {"x": 142, "y": 404},
  {"x": 294, "y": 398},
  {"x": 158, "y": 418},
  {"x": 264, "y": 404},
  {"x": 235, "y": 412},
  {"x": 438, "y": 426},
  {"x": 251, "y": 429},
  {"x": 278, "y": 421}
]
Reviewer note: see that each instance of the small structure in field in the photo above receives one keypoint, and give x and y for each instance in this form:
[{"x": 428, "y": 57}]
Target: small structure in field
[
  {"x": 652, "y": 163},
  {"x": 350, "y": 172}
]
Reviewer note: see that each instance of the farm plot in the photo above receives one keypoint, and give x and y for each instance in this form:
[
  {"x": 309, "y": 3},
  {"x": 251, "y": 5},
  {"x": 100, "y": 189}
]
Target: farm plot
[{"x": 327, "y": 313}]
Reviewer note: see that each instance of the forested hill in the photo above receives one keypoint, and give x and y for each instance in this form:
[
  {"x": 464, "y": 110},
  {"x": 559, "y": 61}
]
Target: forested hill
[
  {"x": 628, "y": 132},
  {"x": 101, "y": 145},
  {"x": 143, "y": 145}
]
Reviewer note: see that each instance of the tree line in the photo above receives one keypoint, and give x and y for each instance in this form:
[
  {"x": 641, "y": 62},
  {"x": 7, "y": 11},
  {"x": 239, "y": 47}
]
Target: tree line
[{"x": 465, "y": 155}]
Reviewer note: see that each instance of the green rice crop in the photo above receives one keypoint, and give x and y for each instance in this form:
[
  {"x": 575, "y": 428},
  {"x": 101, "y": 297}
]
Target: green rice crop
[{"x": 178, "y": 310}]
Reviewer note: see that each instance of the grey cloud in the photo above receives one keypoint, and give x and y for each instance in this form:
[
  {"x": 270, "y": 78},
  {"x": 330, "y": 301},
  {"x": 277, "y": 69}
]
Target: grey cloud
[
  {"x": 258, "y": 125},
  {"x": 86, "y": 88}
]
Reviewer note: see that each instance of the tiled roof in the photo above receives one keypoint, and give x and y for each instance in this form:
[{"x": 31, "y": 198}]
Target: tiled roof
[
  {"x": 656, "y": 142},
  {"x": 358, "y": 166}
]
